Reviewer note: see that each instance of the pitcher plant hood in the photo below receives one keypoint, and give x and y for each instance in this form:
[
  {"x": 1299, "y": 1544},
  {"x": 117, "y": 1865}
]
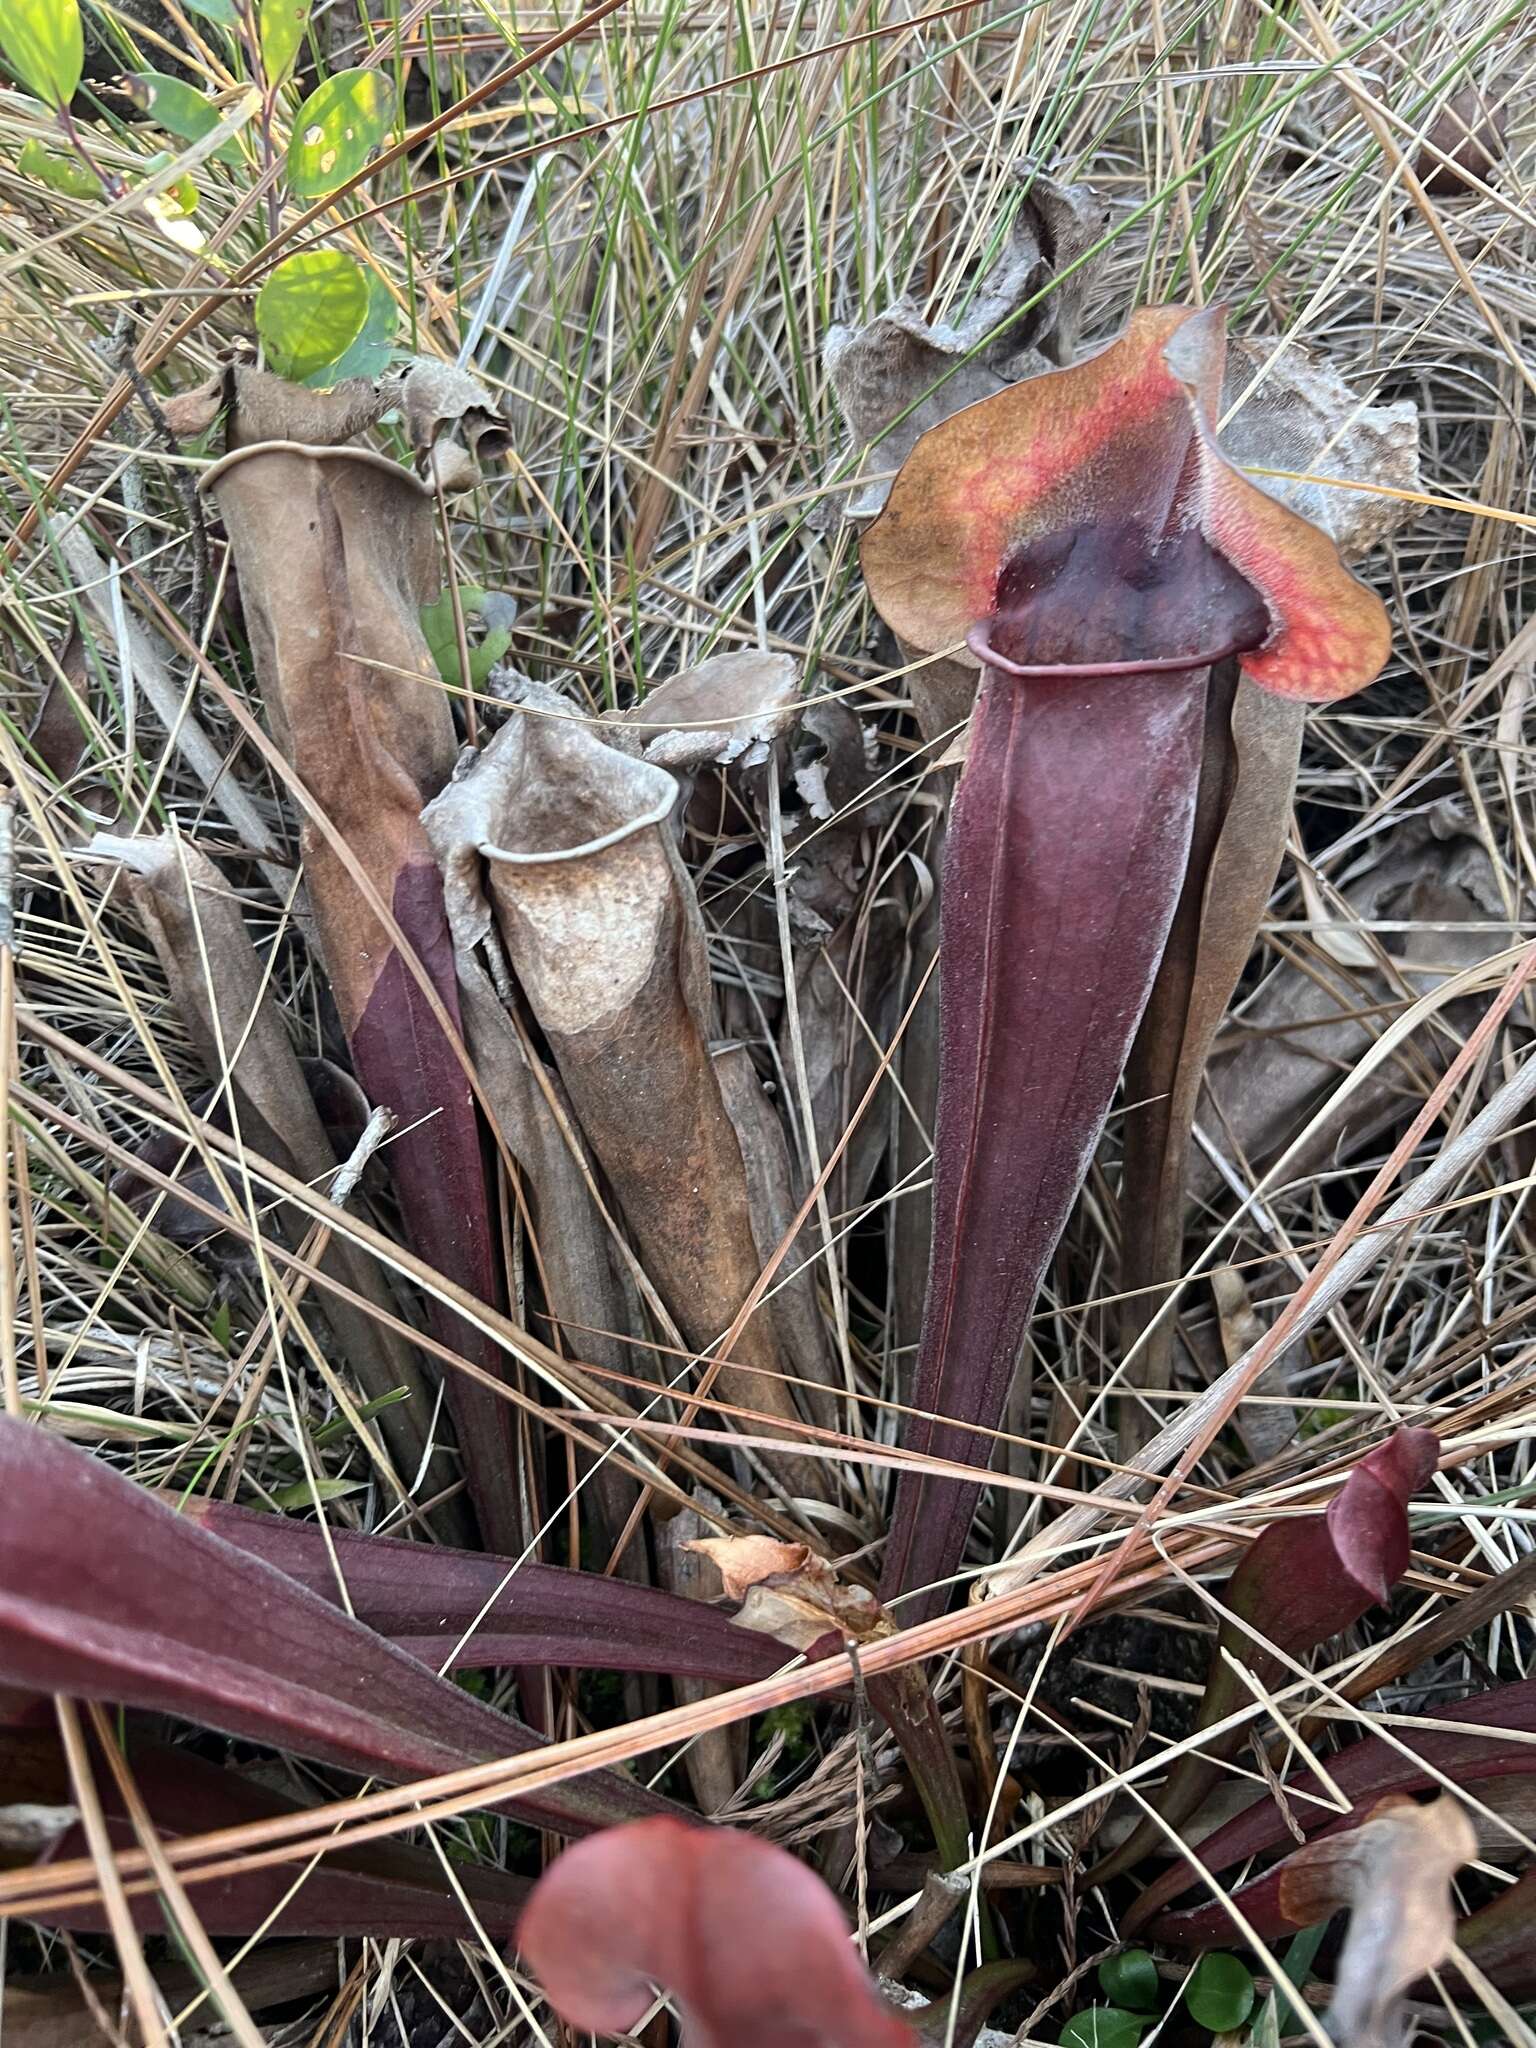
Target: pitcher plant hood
[{"x": 1086, "y": 520}]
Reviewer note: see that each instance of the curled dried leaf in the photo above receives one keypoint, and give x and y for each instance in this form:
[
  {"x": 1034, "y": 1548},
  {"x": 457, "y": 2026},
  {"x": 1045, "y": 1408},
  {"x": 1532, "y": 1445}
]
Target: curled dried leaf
[
  {"x": 189, "y": 414},
  {"x": 787, "y": 1591},
  {"x": 1394, "y": 1875},
  {"x": 833, "y": 798},
  {"x": 901, "y": 374},
  {"x": 1284, "y": 410},
  {"x": 450, "y": 422},
  {"x": 337, "y": 553},
  {"x": 728, "y": 709},
  {"x": 745, "y": 1561},
  {"x": 588, "y": 1296}
]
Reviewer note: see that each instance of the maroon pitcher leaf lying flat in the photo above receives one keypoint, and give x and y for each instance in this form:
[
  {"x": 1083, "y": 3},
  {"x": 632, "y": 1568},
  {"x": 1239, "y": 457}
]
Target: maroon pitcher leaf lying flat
[
  {"x": 108, "y": 1594},
  {"x": 1301, "y": 1582},
  {"x": 751, "y": 1944},
  {"x": 1489, "y": 1746},
  {"x": 1501, "y": 1936},
  {"x": 1083, "y": 535},
  {"x": 384, "y": 1890},
  {"x": 473, "y": 1611}
]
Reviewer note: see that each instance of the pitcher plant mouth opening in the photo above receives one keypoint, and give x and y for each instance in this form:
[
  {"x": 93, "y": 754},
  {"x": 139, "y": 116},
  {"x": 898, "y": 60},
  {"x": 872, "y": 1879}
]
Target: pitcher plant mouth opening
[{"x": 980, "y": 642}]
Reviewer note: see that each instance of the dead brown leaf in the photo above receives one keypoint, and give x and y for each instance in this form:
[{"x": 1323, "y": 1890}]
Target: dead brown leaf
[
  {"x": 884, "y": 374},
  {"x": 1471, "y": 129},
  {"x": 193, "y": 920},
  {"x": 58, "y": 734},
  {"x": 602, "y": 930},
  {"x": 1311, "y": 1020},
  {"x": 901, "y": 374},
  {"x": 590, "y": 1296},
  {"x": 1248, "y": 772},
  {"x": 716, "y": 1761},
  {"x": 729, "y": 709},
  {"x": 1283, "y": 409},
  {"x": 1394, "y": 1874},
  {"x": 337, "y": 550},
  {"x": 793, "y": 1305},
  {"x": 790, "y": 1593}
]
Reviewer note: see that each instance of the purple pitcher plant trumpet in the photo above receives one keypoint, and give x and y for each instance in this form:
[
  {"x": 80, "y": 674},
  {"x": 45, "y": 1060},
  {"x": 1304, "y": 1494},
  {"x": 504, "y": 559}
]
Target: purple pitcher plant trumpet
[{"x": 1083, "y": 536}]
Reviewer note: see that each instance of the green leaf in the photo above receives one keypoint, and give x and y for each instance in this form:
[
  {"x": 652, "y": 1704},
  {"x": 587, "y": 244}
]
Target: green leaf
[
  {"x": 178, "y": 198},
  {"x": 180, "y": 195},
  {"x": 42, "y": 43},
  {"x": 59, "y": 173},
  {"x": 225, "y": 12},
  {"x": 340, "y": 1425},
  {"x": 1219, "y": 1993},
  {"x": 173, "y": 105},
  {"x": 280, "y": 28},
  {"x": 310, "y": 311},
  {"x": 336, "y": 131},
  {"x": 183, "y": 196},
  {"x": 1102, "y": 2026},
  {"x": 369, "y": 355},
  {"x": 302, "y": 1492},
  {"x": 483, "y": 659},
  {"x": 1301, "y": 1953},
  {"x": 1131, "y": 1979},
  {"x": 1266, "y": 2025},
  {"x": 437, "y": 625}
]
